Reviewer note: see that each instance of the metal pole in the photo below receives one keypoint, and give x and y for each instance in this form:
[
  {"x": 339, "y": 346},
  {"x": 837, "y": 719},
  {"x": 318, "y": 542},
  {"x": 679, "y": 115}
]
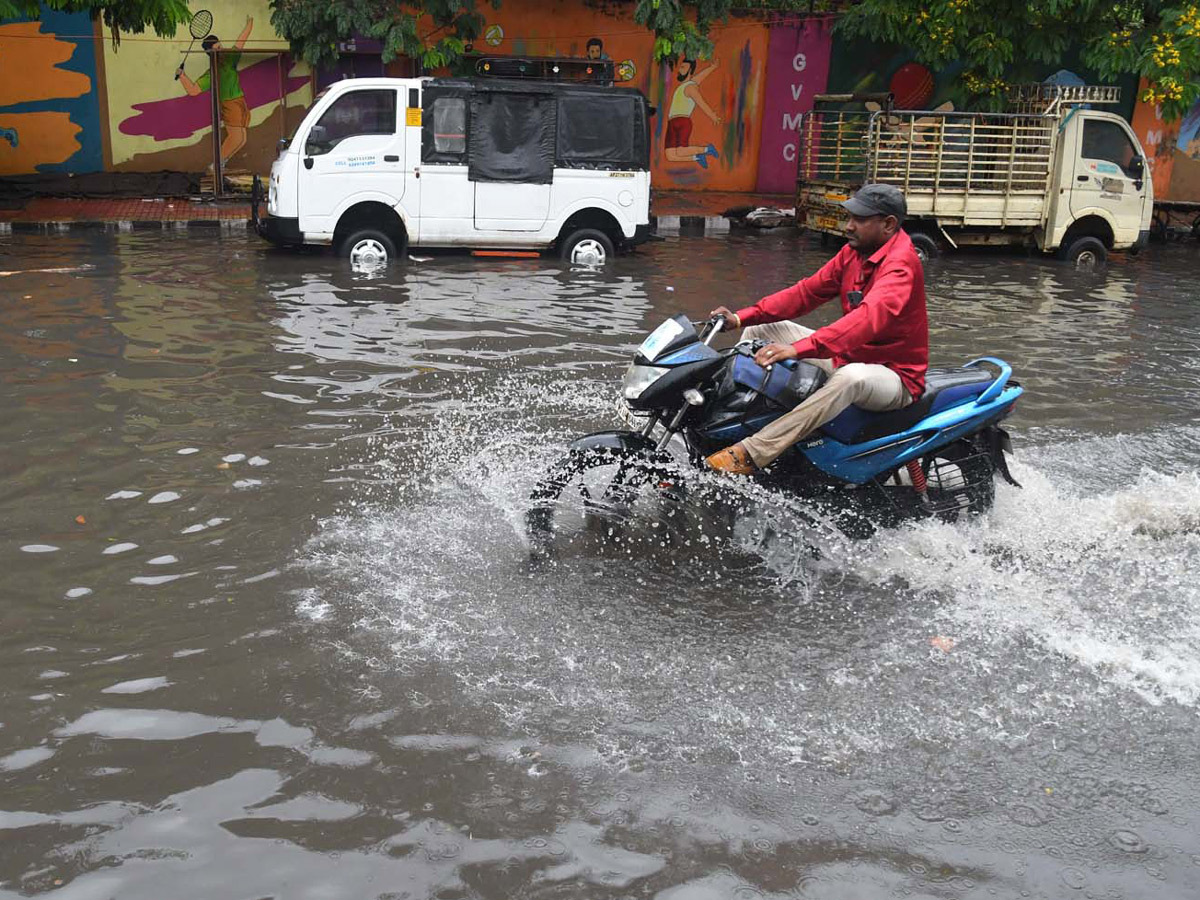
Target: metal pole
[
  {"x": 912, "y": 123},
  {"x": 214, "y": 90},
  {"x": 970, "y": 154},
  {"x": 1012, "y": 161},
  {"x": 282, "y": 96},
  {"x": 837, "y": 165}
]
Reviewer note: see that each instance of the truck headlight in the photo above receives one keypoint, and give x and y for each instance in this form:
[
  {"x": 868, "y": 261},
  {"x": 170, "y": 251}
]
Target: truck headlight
[{"x": 638, "y": 378}]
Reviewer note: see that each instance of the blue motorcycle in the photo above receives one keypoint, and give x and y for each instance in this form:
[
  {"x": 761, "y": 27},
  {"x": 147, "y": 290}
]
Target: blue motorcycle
[{"x": 936, "y": 457}]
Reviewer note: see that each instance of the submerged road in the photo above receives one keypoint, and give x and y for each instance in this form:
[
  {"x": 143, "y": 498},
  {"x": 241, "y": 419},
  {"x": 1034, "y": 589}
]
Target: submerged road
[{"x": 266, "y": 628}]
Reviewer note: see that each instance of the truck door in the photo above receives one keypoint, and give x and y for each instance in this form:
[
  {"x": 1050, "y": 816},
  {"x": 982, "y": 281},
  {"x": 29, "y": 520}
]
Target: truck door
[
  {"x": 447, "y": 194},
  {"x": 512, "y": 143},
  {"x": 1110, "y": 175},
  {"x": 354, "y": 148}
]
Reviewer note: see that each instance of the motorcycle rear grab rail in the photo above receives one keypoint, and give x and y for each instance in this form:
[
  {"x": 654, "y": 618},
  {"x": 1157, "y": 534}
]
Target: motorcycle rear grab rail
[{"x": 994, "y": 389}]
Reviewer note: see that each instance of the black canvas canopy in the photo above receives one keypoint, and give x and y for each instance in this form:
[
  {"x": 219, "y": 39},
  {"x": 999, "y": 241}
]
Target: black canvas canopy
[
  {"x": 511, "y": 137},
  {"x": 511, "y": 131}
]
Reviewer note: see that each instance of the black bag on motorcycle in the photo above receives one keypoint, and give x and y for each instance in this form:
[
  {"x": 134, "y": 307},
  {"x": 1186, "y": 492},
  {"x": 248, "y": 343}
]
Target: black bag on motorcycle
[{"x": 787, "y": 384}]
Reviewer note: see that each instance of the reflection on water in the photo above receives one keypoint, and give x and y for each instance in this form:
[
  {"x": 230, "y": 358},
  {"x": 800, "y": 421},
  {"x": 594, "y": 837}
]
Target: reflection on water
[{"x": 268, "y": 628}]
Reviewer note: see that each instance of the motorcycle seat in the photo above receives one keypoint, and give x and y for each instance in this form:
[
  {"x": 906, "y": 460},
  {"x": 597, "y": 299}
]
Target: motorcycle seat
[{"x": 944, "y": 388}]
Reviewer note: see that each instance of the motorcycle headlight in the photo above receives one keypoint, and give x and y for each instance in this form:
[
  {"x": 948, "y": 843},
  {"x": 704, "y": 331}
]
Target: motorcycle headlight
[{"x": 638, "y": 378}]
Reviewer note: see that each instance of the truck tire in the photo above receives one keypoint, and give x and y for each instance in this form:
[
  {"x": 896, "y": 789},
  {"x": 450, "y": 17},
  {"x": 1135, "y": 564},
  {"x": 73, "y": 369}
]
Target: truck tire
[
  {"x": 587, "y": 247},
  {"x": 366, "y": 245},
  {"x": 1087, "y": 253},
  {"x": 927, "y": 248}
]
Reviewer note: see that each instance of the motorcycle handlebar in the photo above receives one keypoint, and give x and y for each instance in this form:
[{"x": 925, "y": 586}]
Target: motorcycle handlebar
[{"x": 712, "y": 327}]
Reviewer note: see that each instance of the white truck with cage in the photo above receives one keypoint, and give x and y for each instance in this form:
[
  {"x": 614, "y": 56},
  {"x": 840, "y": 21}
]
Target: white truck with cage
[
  {"x": 382, "y": 164},
  {"x": 1054, "y": 172}
]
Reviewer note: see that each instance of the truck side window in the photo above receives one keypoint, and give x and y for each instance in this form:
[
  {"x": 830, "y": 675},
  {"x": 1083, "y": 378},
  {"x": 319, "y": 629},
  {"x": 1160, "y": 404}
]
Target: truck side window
[
  {"x": 357, "y": 112},
  {"x": 450, "y": 125},
  {"x": 1108, "y": 141}
]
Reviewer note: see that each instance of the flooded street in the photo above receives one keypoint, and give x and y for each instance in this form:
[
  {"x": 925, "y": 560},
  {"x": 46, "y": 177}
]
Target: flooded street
[{"x": 267, "y": 627}]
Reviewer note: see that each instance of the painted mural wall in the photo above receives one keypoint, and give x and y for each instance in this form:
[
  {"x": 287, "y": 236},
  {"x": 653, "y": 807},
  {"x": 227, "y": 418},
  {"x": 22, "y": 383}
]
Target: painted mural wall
[
  {"x": 157, "y": 122},
  {"x": 72, "y": 102},
  {"x": 706, "y": 134},
  {"x": 49, "y": 109},
  {"x": 1173, "y": 150},
  {"x": 797, "y": 69},
  {"x": 863, "y": 66}
]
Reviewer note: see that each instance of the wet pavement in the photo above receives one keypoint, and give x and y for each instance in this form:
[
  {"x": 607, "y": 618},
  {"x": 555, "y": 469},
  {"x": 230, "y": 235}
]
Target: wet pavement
[{"x": 267, "y": 628}]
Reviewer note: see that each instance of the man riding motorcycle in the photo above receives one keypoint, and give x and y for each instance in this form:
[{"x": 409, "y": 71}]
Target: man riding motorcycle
[{"x": 876, "y": 354}]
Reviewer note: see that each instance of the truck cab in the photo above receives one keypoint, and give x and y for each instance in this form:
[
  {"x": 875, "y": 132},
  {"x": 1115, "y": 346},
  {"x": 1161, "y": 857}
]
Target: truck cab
[
  {"x": 382, "y": 164},
  {"x": 1103, "y": 189}
]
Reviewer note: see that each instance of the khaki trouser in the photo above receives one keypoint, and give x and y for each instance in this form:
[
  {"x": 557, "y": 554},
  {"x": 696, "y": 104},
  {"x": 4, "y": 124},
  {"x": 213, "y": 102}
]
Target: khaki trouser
[{"x": 866, "y": 385}]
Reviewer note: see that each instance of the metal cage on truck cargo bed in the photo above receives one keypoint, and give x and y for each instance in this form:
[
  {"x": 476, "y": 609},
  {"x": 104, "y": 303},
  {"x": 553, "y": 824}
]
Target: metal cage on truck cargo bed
[
  {"x": 920, "y": 151},
  {"x": 1027, "y": 175},
  {"x": 965, "y": 168}
]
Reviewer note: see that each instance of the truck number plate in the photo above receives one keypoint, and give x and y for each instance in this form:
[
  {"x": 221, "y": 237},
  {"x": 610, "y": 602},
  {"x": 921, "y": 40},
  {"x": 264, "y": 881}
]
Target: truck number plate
[{"x": 828, "y": 223}]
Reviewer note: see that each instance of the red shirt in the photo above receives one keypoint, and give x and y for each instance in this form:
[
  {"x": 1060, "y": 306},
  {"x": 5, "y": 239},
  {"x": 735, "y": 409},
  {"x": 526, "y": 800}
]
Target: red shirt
[{"x": 888, "y": 327}]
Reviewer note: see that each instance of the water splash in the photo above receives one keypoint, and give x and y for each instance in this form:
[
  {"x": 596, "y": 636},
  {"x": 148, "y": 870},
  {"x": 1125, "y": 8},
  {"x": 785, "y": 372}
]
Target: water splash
[
  {"x": 770, "y": 637},
  {"x": 1099, "y": 576}
]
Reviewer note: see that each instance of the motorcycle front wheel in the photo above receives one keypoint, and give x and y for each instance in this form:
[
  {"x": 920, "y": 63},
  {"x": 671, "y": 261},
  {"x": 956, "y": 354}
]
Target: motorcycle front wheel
[{"x": 593, "y": 492}]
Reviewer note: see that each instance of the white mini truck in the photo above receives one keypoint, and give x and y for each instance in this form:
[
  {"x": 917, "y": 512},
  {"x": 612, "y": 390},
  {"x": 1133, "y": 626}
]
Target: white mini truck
[
  {"x": 382, "y": 164},
  {"x": 1054, "y": 172}
]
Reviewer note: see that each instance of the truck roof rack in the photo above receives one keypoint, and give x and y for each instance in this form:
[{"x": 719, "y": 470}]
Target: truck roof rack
[
  {"x": 546, "y": 68},
  {"x": 1046, "y": 99}
]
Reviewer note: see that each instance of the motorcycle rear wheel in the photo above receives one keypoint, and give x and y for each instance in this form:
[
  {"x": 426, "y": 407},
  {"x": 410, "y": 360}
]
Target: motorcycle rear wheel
[{"x": 961, "y": 480}]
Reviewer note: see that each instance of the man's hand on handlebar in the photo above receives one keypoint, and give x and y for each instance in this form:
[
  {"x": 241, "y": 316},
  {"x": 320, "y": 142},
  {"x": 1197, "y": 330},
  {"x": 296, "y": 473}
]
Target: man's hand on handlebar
[
  {"x": 732, "y": 322},
  {"x": 774, "y": 353}
]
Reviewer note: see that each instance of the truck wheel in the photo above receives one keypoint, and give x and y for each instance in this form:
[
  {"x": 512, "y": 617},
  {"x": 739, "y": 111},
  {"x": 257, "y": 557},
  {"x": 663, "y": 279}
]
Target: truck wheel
[
  {"x": 1086, "y": 253},
  {"x": 587, "y": 247},
  {"x": 368, "y": 247},
  {"x": 926, "y": 247}
]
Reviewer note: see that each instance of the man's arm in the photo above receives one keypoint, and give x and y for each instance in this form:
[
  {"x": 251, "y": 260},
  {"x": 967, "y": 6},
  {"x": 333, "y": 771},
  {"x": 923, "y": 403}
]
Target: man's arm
[
  {"x": 693, "y": 91},
  {"x": 882, "y": 304},
  {"x": 699, "y": 77},
  {"x": 244, "y": 36},
  {"x": 802, "y": 297},
  {"x": 189, "y": 86}
]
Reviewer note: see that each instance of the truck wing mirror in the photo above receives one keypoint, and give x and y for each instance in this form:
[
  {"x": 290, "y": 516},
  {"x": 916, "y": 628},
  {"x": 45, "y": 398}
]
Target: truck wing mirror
[{"x": 1137, "y": 171}]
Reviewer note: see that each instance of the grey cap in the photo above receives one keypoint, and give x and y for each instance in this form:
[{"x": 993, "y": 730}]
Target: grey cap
[{"x": 877, "y": 200}]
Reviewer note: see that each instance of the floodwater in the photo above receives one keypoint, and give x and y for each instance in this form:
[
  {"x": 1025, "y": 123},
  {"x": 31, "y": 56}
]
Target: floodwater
[{"x": 267, "y": 628}]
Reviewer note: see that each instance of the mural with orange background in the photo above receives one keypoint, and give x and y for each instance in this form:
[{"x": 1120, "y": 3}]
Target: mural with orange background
[
  {"x": 49, "y": 112},
  {"x": 706, "y": 132},
  {"x": 1172, "y": 149}
]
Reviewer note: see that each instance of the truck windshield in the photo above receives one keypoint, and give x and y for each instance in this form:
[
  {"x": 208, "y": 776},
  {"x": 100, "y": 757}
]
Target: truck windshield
[
  {"x": 1107, "y": 141},
  {"x": 353, "y": 113}
]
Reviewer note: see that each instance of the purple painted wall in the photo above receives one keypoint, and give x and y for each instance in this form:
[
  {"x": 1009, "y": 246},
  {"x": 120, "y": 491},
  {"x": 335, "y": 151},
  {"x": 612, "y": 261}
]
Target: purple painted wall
[{"x": 797, "y": 68}]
